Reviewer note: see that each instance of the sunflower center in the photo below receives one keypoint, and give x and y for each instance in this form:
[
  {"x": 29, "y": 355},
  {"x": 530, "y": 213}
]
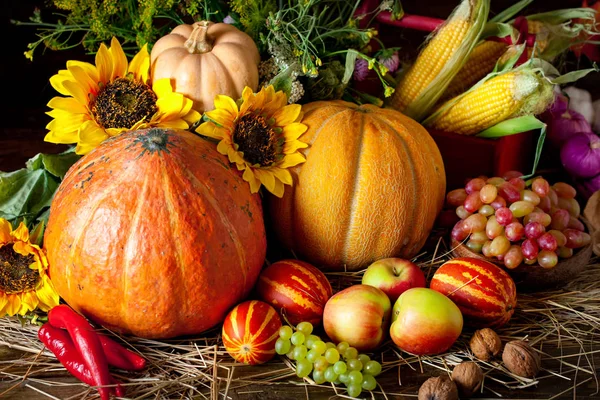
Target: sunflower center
[
  {"x": 123, "y": 102},
  {"x": 15, "y": 274},
  {"x": 256, "y": 139}
]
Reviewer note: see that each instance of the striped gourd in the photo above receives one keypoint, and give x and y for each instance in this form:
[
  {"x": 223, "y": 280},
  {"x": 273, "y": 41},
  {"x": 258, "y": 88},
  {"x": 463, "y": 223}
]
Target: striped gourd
[
  {"x": 250, "y": 331},
  {"x": 485, "y": 294},
  {"x": 504, "y": 96},
  {"x": 480, "y": 63},
  {"x": 295, "y": 288},
  {"x": 421, "y": 86}
]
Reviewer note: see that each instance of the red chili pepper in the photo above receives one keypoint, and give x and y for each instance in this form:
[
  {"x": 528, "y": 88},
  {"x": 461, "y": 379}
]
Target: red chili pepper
[
  {"x": 59, "y": 342},
  {"x": 120, "y": 357},
  {"x": 88, "y": 344}
]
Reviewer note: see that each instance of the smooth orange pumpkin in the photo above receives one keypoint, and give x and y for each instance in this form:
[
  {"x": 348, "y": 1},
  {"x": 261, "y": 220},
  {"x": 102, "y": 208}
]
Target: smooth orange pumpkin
[
  {"x": 154, "y": 234},
  {"x": 371, "y": 187},
  {"x": 206, "y": 59}
]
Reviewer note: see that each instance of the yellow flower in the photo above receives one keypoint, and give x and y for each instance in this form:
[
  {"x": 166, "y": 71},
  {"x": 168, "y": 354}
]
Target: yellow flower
[
  {"x": 24, "y": 284},
  {"x": 260, "y": 136},
  {"x": 112, "y": 97}
]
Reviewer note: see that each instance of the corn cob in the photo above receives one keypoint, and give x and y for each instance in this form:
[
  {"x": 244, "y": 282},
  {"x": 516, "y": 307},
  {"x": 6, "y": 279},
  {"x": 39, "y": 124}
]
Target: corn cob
[
  {"x": 441, "y": 58},
  {"x": 502, "y": 97},
  {"x": 480, "y": 63}
]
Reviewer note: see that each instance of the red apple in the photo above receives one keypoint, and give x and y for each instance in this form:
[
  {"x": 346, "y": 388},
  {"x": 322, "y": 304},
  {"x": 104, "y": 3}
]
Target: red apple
[
  {"x": 359, "y": 315},
  {"x": 394, "y": 276},
  {"x": 425, "y": 322}
]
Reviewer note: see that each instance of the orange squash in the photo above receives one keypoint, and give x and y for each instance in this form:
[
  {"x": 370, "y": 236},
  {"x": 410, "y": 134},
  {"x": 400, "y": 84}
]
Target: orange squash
[
  {"x": 206, "y": 59},
  {"x": 154, "y": 234},
  {"x": 371, "y": 187}
]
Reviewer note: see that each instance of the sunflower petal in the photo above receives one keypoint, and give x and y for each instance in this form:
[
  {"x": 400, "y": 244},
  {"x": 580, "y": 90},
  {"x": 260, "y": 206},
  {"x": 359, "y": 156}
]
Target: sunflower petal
[
  {"x": 278, "y": 189},
  {"x": 47, "y": 294},
  {"x": 249, "y": 177},
  {"x": 119, "y": 60},
  {"x": 77, "y": 91},
  {"x": 226, "y": 103},
  {"x": 104, "y": 64},
  {"x": 90, "y": 136},
  {"x": 192, "y": 116},
  {"x": 223, "y": 147},
  {"x": 210, "y": 129},
  {"x": 29, "y": 302},
  {"x": 61, "y": 137},
  {"x": 23, "y": 248},
  {"x": 67, "y": 104},
  {"x": 89, "y": 69},
  {"x": 3, "y": 303},
  {"x": 294, "y": 131},
  {"x": 170, "y": 106},
  {"x": 174, "y": 124},
  {"x": 83, "y": 79},
  {"x": 291, "y": 160},
  {"x": 221, "y": 117},
  {"x": 5, "y": 229},
  {"x": 13, "y": 305},
  {"x": 266, "y": 178},
  {"x": 283, "y": 175},
  {"x": 293, "y": 146},
  {"x": 140, "y": 65},
  {"x": 287, "y": 115},
  {"x": 57, "y": 81},
  {"x": 162, "y": 87},
  {"x": 21, "y": 233}
]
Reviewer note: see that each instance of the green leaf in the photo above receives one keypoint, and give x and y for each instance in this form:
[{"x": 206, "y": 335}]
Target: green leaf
[
  {"x": 496, "y": 29},
  {"x": 518, "y": 125},
  {"x": 36, "y": 235},
  {"x": 511, "y": 11},
  {"x": 397, "y": 11},
  {"x": 350, "y": 62},
  {"x": 35, "y": 162},
  {"x": 59, "y": 164},
  {"x": 559, "y": 16},
  {"x": 25, "y": 193},
  {"x": 512, "y": 126},
  {"x": 574, "y": 75}
]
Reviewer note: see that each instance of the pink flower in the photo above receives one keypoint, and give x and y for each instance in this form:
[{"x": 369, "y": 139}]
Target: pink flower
[
  {"x": 391, "y": 62},
  {"x": 228, "y": 20},
  {"x": 361, "y": 69}
]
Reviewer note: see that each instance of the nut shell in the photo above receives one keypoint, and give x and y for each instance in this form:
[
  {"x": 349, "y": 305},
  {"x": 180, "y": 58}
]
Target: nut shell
[
  {"x": 438, "y": 388},
  {"x": 468, "y": 378},
  {"x": 485, "y": 344},
  {"x": 521, "y": 359}
]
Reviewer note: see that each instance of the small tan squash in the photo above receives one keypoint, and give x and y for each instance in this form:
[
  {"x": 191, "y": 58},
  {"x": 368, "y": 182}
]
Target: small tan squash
[{"x": 206, "y": 59}]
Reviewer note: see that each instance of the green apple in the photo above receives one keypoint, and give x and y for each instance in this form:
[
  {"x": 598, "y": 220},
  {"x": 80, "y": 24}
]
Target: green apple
[{"x": 425, "y": 322}]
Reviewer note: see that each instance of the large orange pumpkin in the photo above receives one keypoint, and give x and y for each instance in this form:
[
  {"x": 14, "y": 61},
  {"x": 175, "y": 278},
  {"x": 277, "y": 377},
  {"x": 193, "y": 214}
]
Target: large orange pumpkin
[
  {"x": 371, "y": 187},
  {"x": 153, "y": 234},
  {"x": 206, "y": 59}
]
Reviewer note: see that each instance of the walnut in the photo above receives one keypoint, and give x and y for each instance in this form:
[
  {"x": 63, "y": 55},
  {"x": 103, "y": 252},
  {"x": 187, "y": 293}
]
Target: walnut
[
  {"x": 485, "y": 344},
  {"x": 438, "y": 388},
  {"x": 521, "y": 359},
  {"x": 468, "y": 378}
]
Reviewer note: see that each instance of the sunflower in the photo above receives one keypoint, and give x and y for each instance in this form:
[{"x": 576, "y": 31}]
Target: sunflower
[
  {"x": 260, "y": 136},
  {"x": 112, "y": 97},
  {"x": 24, "y": 284}
]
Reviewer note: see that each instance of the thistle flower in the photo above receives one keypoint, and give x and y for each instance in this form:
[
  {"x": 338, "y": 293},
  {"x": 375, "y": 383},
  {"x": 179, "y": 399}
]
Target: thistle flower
[
  {"x": 361, "y": 69},
  {"x": 391, "y": 61}
]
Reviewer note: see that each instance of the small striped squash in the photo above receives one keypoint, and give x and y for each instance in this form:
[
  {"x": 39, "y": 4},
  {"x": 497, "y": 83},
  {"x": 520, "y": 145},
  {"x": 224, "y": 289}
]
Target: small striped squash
[
  {"x": 295, "y": 288},
  {"x": 250, "y": 331},
  {"x": 371, "y": 187},
  {"x": 485, "y": 294}
]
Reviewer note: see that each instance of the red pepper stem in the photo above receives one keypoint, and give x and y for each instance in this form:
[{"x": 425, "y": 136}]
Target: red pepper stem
[
  {"x": 88, "y": 344},
  {"x": 417, "y": 22},
  {"x": 120, "y": 357}
]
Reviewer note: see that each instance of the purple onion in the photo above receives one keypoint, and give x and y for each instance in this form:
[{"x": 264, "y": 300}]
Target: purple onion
[
  {"x": 564, "y": 125},
  {"x": 580, "y": 155},
  {"x": 589, "y": 186}
]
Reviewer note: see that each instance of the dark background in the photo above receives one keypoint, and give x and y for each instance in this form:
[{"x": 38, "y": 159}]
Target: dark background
[{"x": 26, "y": 89}]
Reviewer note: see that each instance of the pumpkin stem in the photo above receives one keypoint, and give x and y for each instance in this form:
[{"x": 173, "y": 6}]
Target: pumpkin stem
[{"x": 198, "y": 43}]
